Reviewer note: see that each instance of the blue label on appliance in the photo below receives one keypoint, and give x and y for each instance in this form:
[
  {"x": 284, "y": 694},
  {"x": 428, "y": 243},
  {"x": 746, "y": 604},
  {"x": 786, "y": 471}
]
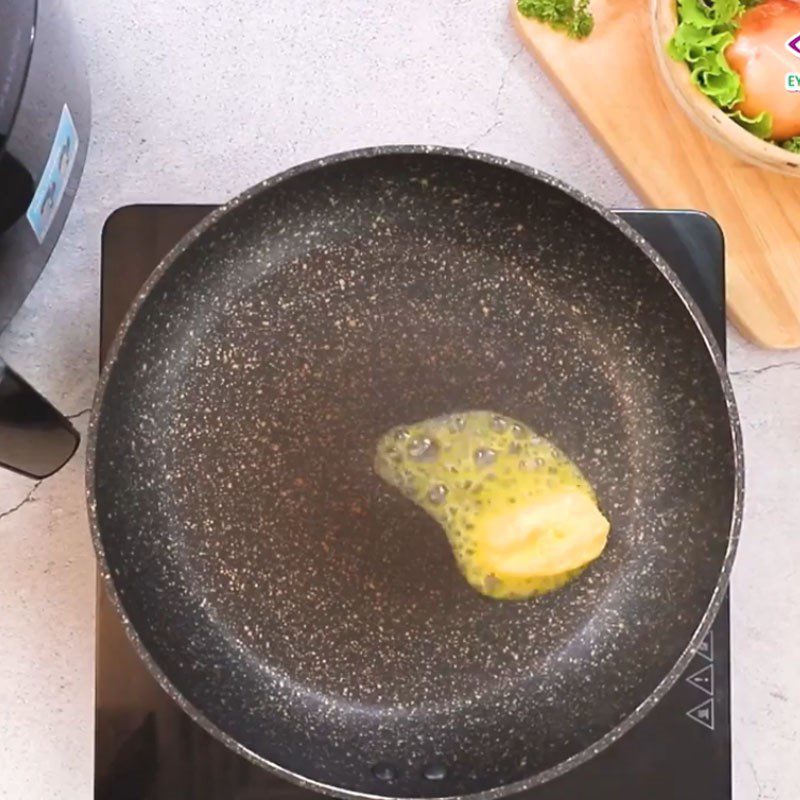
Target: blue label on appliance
[{"x": 54, "y": 179}]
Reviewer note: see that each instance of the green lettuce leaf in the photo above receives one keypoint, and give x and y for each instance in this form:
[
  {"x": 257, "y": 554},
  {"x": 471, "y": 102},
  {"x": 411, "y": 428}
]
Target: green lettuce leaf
[
  {"x": 760, "y": 126},
  {"x": 692, "y": 44},
  {"x": 727, "y": 10},
  {"x": 696, "y": 13},
  {"x": 705, "y": 28},
  {"x": 712, "y": 75},
  {"x": 709, "y": 13},
  {"x": 792, "y": 145}
]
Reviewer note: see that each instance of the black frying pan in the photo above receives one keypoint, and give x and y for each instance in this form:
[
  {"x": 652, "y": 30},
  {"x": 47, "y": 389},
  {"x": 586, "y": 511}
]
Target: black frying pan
[{"x": 304, "y": 612}]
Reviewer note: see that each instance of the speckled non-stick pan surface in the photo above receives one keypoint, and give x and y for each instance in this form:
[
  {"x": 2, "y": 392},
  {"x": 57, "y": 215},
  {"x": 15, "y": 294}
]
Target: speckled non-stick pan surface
[{"x": 292, "y": 602}]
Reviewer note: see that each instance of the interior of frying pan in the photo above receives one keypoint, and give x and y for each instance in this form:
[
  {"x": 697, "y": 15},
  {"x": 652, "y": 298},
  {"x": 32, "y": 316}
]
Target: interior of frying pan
[{"x": 304, "y": 610}]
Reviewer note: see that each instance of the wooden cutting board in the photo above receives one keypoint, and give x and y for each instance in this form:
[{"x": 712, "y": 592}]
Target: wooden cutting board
[{"x": 612, "y": 80}]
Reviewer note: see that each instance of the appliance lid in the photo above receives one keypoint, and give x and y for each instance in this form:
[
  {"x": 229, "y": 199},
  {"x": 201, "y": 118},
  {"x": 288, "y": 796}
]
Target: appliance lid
[{"x": 17, "y": 25}]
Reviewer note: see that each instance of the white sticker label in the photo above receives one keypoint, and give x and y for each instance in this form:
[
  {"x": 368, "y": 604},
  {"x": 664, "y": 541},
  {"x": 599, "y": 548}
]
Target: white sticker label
[{"x": 53, "y": 183}]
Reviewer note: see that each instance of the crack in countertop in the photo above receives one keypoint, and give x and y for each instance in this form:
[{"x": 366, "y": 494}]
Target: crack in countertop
[
  {"x": 748, "y": 373},
  {"x": 496, "y": 102},
  {"x": 29, "y": 498}
]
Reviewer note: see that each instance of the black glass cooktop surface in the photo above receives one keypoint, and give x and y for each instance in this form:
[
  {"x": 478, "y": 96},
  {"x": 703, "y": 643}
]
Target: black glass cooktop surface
[{"x": 148, "y": 749}]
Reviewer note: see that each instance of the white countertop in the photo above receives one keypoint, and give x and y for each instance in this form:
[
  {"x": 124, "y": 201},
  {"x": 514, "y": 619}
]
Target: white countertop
[{"x": 195, "y": 100}]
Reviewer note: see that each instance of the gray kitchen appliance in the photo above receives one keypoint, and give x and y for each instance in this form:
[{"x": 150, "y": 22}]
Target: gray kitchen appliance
[{"x": 44, "y": 133}]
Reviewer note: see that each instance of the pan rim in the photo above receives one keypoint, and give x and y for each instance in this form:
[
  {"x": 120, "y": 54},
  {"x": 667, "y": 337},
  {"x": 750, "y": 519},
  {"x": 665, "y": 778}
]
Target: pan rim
[{"x": 714, "y": 351}]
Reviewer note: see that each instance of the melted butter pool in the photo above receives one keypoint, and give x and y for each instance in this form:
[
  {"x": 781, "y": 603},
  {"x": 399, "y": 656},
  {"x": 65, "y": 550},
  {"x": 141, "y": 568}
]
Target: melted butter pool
[{"x": 520, "y": 517}]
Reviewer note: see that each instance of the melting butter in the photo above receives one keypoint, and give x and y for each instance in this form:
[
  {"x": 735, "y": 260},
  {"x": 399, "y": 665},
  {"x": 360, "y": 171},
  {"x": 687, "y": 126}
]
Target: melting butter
[{"x": 519, "y": 515}]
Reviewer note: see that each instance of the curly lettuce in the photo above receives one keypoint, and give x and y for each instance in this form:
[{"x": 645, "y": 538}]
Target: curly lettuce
[
  {"x": 760, "y": 126},
  {"x": 571, "y": 16},
  {"x": 792, "y": 145},
  {"x": 705, "y": 28}
]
